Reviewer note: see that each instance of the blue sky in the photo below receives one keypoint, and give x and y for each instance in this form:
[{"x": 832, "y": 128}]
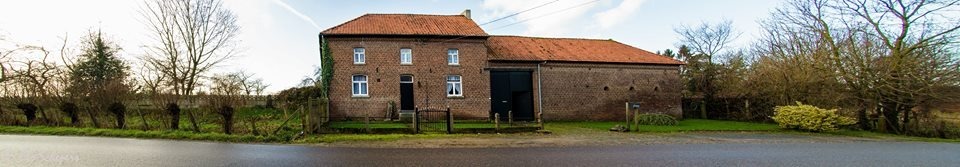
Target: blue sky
[{"x": 279, "y": 37}]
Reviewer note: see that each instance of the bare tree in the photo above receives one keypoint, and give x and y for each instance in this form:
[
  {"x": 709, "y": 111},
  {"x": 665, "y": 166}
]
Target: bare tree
[
  {"x": 707, "y": 38},
  {"x": 192, "y": 37},
  {"x": 914, "y": 34},
  {"x": 699, "y": 46},
  {"x": 226, "y": 91},
  {"x": 886, "y": 55}
]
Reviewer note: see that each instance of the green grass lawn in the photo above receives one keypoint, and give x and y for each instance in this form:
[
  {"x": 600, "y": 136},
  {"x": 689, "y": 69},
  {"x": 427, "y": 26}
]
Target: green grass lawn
[
  {"x": 685, "y": 125},
  {"x": 153, "y": 134},
  {"x": 373, "y": 125}
]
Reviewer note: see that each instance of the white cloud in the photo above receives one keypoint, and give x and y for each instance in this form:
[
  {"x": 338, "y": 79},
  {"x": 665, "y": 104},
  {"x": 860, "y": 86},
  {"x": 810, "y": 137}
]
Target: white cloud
[
  {"x": 616, "y": 15},
  {"x": 297, "y": 13}
]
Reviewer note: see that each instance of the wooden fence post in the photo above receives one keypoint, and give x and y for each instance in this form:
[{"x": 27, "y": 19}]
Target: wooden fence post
[
  {"x": 416, "y": 120},
  {"x": 627, "y": 115},
  {"x": 496, "y": 121},
  {"x": 510, "y": 117},
  {"x": 449, "y": 121}
]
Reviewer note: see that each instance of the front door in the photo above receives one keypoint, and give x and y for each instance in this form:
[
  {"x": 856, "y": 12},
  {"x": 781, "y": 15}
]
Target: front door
[
  {"x": 406, "y": 93},
  {"x": 512, "y": 91}
]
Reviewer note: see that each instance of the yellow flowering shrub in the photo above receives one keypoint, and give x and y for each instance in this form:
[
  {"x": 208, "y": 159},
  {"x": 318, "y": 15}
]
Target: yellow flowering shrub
[{"x": 809, "y": 118}]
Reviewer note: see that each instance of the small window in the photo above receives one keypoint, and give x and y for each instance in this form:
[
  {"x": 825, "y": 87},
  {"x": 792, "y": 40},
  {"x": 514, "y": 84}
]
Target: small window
[
  {"x": 359, "y": 56},
  {"x": 453, "y": 57},
  {"x": 360, "y": 86},
  {"x": 406, "y": 79},
  {"x": 454, "y": 86},
  {"x": 406, "y": 56}
]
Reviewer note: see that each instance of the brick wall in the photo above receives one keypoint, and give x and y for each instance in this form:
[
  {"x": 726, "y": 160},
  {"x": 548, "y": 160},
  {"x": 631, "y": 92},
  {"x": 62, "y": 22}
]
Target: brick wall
[
  {"x": 429, "y": 70},
  {"x": 592, "y": 91}
]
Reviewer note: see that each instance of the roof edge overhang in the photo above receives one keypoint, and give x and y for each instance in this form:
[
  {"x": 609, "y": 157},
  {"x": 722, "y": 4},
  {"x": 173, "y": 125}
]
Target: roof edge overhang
[
  {"x": 582, "y": 62},
  {"x": 406, "y": 36}
]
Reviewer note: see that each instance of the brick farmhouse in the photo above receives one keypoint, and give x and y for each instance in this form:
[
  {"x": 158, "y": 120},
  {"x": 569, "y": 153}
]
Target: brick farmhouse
[{"x": 415, "y": 60}]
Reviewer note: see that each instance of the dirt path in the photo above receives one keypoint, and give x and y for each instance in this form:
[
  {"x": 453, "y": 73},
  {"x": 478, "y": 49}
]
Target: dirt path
[{"x": 600, "y": 138}]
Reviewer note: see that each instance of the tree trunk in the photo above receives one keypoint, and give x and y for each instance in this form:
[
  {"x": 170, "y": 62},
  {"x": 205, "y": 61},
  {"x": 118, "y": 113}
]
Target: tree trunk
[
  {"x": 119, "y": 112},
  {"x": 253, "y": 126},
  {"x": 703, "y": 109},
  {"x": 193, "y": 121},
  {"x": 227, "y": 113},
  {"x": 143, "y": 118},
  {"x": 892, "y": 116},
  {"x": 93, "y": 118},
  {"x": 862, "y": 120},
  {"x": 174, "y": 110},
  {"x": 906, "y": 118}
]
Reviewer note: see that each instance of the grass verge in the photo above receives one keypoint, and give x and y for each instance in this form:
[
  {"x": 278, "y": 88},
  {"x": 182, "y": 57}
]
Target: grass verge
[
  {"x": 168, "y": 134},
  {"x": 878, "y": 135},
  {"x": 685, "y": 125}
]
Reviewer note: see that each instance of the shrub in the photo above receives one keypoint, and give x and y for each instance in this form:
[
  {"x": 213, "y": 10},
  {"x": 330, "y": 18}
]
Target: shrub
[
  {"x": 809, "y": 118},
  {"x": 656, "y": 119}
]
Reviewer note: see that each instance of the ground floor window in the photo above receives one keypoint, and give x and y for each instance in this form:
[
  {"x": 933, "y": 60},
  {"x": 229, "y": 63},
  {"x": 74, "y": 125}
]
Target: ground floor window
[
  {"x": 454, "y": 86},
  {"x": 360, "y": 85}
]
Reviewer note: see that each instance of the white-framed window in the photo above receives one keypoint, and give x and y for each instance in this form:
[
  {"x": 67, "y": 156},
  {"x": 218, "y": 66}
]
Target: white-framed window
[
  {"x": 359, "y": 56},
  {"x": 406, "y": 56},
  {"x": 360, "y": 86},
  {"x": 454, "y": 86},
  {"x": 453, "y": 57}
]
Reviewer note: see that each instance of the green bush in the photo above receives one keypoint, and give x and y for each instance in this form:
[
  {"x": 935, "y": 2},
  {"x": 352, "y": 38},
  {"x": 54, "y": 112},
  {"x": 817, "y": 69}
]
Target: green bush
[
  {"x": 656, "y": 119},
  {"x": 809, "y": 118}
]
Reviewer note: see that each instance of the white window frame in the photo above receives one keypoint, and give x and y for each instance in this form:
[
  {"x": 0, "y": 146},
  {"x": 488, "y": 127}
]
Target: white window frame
[
  {"x": 453, "y": 56},
  {"x": 452, "y": 86},
  {"x": 360, "y": 88},
  {"x": 406, "y": 58},
  {"x": 359, "y": 55}
]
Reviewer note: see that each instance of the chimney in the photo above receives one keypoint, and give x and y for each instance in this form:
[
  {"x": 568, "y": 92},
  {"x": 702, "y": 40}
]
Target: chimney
[{"x": 466, "y": 13}]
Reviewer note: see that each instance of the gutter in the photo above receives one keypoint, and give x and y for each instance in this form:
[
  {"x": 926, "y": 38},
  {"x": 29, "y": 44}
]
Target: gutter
[{"x": 540, "y": 95}]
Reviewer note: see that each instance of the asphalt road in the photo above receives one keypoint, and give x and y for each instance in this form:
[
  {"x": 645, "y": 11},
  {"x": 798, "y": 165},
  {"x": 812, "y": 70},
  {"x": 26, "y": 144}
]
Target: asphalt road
[{"x": 22, "y": 150}]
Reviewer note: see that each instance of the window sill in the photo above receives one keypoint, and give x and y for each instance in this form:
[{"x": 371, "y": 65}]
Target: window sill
[
  {"x": 455, "y": 97},
  {"x": 360, "y": 96},
  {"x": 359, "y": 63},
  {"x": 455, "y": 65},
  {"x": 406, "y": 64}
]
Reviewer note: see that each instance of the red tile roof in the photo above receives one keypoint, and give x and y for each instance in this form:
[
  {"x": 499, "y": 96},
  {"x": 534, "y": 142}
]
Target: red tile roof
[
  {"x": 516, "y": 48},
  {"x": 408, "y": 24}
]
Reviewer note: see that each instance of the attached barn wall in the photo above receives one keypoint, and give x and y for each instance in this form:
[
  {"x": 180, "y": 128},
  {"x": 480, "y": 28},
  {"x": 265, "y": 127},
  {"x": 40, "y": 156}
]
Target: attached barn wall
[{"x": 595, "y": 91}]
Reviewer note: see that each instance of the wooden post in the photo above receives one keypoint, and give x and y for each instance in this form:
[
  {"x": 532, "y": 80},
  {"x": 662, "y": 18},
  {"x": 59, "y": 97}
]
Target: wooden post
[
  {"x": 416, "y": 120},
  {"x": 627, "y": 115},
  {"x": 636, "y": 122},
  {"x": 540, "y": 120},
  {"x": 449, "y": 121},
  {"x": 496, "y": 121},
  {"x": 510, "y": 117},
  {"x": 366, "y": 123}
]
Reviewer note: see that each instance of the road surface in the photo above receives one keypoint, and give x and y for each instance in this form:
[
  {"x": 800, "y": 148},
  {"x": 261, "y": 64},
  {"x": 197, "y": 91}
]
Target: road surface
[{"x": 26, "y": 150}]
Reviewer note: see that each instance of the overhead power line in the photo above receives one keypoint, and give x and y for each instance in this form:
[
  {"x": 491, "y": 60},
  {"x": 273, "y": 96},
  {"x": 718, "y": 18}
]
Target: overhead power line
[
  {"x": 544, "y": 15},
  {"x": 511, "y": 15},
  {"x": 504, "y": 17}
]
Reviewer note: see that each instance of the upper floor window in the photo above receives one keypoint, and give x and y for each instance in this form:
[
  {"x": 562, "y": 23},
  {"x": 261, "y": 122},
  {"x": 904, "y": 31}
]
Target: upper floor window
[
  {"x": 406, "y": 56},
  {"x": 454, "y": 86},
  {"x": 453, "y": 57},
  {"x": 360, "y": 86},
  {"x": 359, "y": 56}
]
